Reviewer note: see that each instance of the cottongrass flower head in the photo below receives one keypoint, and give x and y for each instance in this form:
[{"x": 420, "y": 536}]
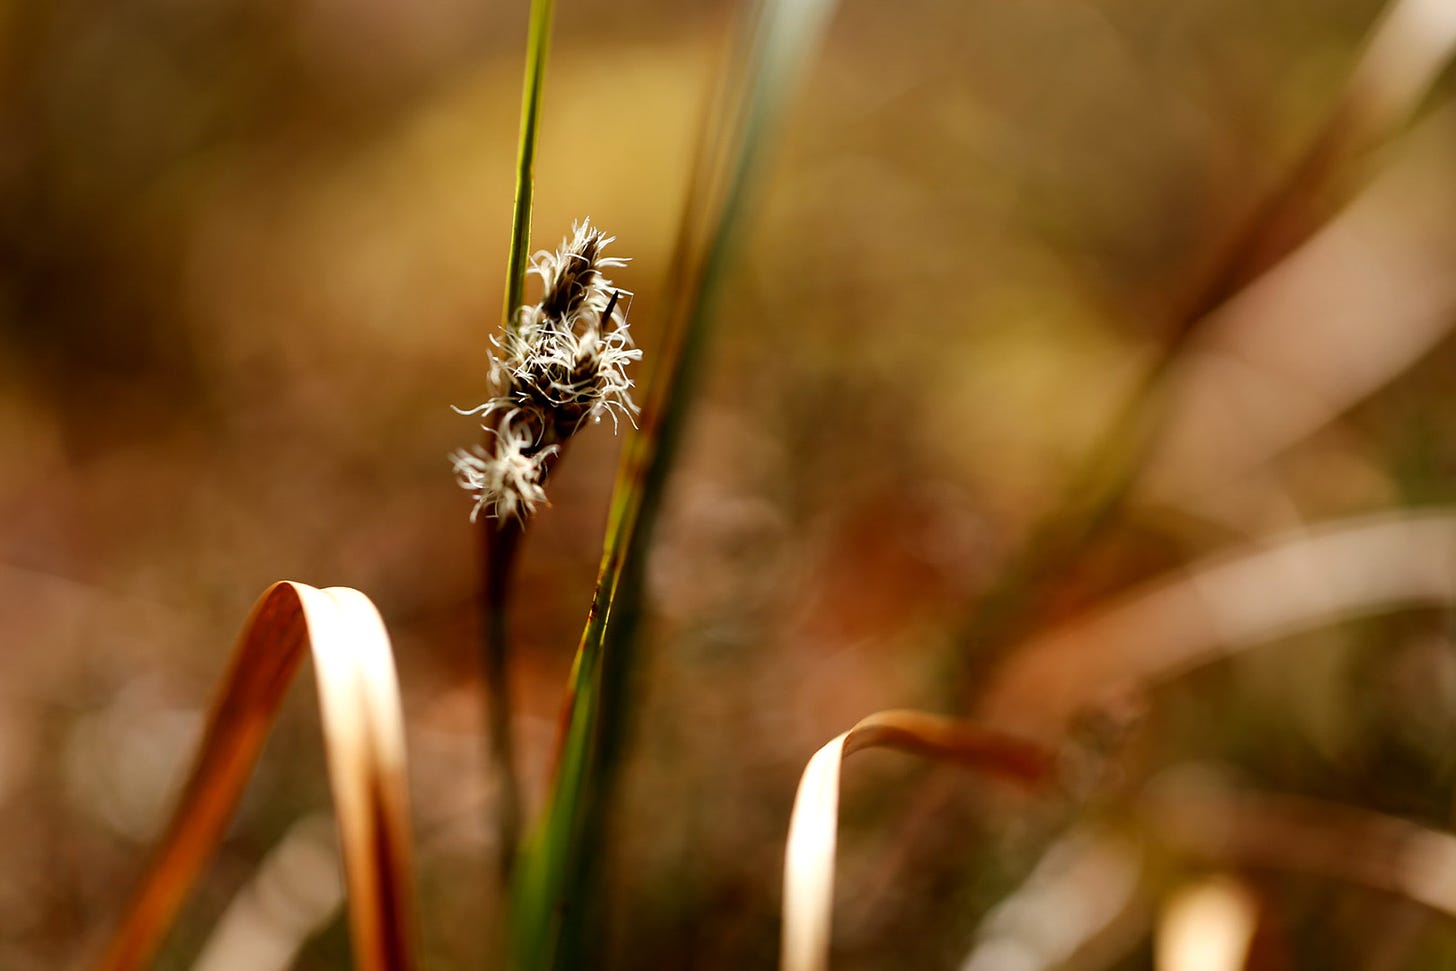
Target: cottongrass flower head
[
  {"x": 559, "y": 363},
  {"x": 509, "y": 478}
]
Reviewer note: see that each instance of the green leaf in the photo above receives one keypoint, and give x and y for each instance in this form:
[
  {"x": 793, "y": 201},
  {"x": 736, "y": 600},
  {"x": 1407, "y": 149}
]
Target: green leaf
[{"x": 551, "y": 899}]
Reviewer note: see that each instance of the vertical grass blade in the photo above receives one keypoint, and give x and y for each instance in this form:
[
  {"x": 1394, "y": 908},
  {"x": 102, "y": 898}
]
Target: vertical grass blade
[
  {"x": 1208, "y": 925},
  {"x": 550, "y": 890},
  {"x": 500, "y": 539},
  {"x": 538, "y": 39},
  {"x": 363, "y": 734}
]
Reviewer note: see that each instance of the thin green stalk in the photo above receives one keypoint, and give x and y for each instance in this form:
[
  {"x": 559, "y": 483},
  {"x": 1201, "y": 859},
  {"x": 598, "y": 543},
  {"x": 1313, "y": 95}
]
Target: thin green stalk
[
  {"x": 556, "y": 877},
  {"x": 538, "y": 39},
  {"x": 500, "y": 540}
]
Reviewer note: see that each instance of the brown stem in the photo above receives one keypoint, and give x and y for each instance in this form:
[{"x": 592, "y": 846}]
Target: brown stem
[{"x": 500, "y": 540}]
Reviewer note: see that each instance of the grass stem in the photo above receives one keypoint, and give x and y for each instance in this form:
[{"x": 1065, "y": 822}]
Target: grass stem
[
  {"x": 538, "y": 39},
  {"x": 500, "y": 538},
  {"x": 500, "y": 543}
]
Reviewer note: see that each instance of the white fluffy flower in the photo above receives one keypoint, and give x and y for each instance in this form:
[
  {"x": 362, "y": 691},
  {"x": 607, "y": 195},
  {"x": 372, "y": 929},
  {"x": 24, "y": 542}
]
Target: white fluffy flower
[
  {"x": 568, "y": 354},
  {"x": 508, "y": 479},
  {"x": 562, "y": 360}
]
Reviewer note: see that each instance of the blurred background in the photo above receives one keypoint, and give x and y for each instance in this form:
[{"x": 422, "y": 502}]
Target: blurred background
[{"x": 251, "y": 252}]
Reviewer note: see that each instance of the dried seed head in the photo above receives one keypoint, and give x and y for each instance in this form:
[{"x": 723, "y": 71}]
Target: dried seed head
[
  {"x": 573, "y": 274},
  {"x": 509, "y": 477},
  {"x": 561, "y": 361},
  {"x": 568, "y": 354}
]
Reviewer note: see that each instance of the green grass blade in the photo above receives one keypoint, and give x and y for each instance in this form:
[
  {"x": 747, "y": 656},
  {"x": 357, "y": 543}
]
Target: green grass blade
[
  {"x": 551, "y": 897},
  {"x": 538, "y": 39},
  {"x": 500, "y": 541}
]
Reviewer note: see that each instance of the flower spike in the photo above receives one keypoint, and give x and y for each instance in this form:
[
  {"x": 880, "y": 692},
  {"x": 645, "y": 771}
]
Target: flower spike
[{"x": 561, "y": 361}]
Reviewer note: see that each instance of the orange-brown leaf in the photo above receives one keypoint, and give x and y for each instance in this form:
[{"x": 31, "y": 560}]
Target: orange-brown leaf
[{"x": 363, "y": 734}]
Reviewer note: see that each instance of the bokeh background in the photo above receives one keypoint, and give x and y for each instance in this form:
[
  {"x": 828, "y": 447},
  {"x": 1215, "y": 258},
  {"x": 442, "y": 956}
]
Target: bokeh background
[{"x": 251, "y": 252}]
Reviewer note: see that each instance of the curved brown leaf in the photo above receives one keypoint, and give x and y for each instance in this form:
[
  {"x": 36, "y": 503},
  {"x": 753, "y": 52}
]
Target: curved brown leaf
[
  {"x": 1336, "y": 571},
  {"x": 363, "y": 734},
  {"x": 1249, "y": 828},
  {"x": 814, "y": 825}
]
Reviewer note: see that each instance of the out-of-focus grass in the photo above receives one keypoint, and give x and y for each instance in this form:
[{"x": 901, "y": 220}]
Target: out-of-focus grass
[{"x": 249, "y": 248}]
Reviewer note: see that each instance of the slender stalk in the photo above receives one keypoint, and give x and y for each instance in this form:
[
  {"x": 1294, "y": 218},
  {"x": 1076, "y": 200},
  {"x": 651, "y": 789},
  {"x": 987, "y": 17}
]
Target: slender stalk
[
  {"x": 500, "y": 539},
  {"x": 560, "y": 870},
  {"x": 538, "y": 39}
]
